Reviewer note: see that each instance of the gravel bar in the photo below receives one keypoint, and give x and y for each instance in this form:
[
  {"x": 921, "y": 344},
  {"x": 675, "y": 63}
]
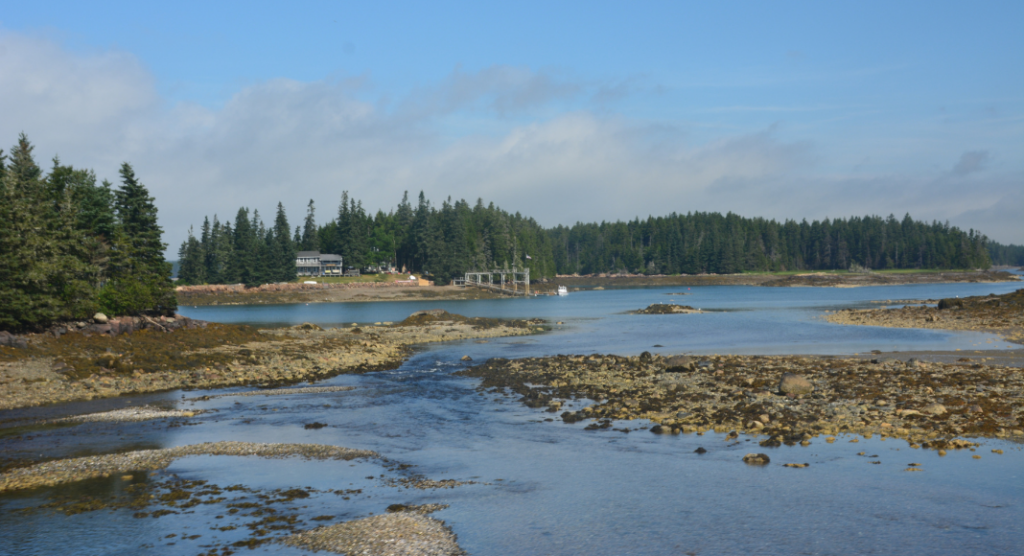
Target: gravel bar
[
  {"x": 280, "y": 392},
  {"x": 126, "y": 415},
  {"x": 59, "y": 472},
  {"x": 395, "y": 534}
]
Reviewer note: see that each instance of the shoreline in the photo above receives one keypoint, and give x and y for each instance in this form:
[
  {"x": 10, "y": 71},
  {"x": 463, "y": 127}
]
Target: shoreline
[
  {"x": 997, "y": 314},
  {"x": 203, "y": 296},
  {"x": 77, "y": 367}
]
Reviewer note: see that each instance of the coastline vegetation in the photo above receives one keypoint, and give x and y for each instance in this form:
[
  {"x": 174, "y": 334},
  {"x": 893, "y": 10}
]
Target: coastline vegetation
[
  {"x": 445, "y": 242},
  {"x": 70, "y": 247}
]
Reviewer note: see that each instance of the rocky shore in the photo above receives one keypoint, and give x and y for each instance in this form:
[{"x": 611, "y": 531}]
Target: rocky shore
[
  {"x": 1001, "y": 314},
  {"x": 272, "y": 294},
  {"x": 809, "y": 279},
  {"x": 87, "y": 366},
  {"x": 783, "y": 399}
]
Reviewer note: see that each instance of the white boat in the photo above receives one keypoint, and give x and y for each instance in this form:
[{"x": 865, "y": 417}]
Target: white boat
[{"x": 562, "y": 290}]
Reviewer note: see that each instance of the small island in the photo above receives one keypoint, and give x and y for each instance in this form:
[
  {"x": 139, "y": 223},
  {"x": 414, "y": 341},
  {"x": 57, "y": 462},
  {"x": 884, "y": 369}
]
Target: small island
[{"x": 666, "y": 309}]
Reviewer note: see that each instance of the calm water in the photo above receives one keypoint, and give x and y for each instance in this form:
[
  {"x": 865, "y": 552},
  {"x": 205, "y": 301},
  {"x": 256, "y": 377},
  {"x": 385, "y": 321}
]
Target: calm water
[{"x": 563, "y": 491}]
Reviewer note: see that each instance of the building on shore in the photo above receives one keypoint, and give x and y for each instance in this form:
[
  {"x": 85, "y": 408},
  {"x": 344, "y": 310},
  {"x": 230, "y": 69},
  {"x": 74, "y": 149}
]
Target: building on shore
[{"x": 315, "y": 263}]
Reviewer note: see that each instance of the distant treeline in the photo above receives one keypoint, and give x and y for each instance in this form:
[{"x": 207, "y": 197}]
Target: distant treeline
[
  {"x": 1006, "y": 255},
  {"x": 456, "y": 237},
  {"x": 70, "y": 247}
]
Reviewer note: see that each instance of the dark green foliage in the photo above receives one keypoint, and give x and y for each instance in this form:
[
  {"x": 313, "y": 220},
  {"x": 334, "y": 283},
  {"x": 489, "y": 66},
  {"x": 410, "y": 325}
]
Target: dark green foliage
[
  {"x": 697, "y": 243},
  {"x": 65, "y": 247},
  {"x": 137, "y": 264},
  {"x": 447, "y": 241},
  {"x": 1006, "y": 255}
]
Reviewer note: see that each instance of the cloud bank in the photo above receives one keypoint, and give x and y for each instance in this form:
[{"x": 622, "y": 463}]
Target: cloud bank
[{"x": 503, "y": 134}]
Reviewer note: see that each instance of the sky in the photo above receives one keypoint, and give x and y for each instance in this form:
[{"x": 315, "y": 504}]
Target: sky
[{"x": 562, "y": 111}]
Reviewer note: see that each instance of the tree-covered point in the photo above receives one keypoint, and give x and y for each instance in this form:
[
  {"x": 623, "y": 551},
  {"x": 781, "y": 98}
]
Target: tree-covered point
[
  {"x": 456, "y": 237},
  {"x": 70, "y": 247},
  {"x": 1006, "y": 255}
]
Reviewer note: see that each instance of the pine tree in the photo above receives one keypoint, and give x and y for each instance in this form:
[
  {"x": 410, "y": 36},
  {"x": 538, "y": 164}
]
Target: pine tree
[
  {"x": 283, "y": 249},
  {"x": 310, "y": 240},
  {"x": 140, "y": 278}
]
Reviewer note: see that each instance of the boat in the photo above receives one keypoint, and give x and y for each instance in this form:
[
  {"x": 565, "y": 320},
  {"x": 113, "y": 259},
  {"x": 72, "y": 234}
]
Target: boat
[{"x": 562, "y": 290}]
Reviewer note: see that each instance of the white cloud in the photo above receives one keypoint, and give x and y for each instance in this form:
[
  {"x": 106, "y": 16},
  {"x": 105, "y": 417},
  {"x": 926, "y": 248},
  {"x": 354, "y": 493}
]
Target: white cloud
[{"x": 289, "y": 141}]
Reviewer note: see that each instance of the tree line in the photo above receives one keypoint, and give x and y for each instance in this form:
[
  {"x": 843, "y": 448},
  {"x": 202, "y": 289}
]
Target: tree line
[
  {"x": 449, "y": 240},
  {"x": 70, "y": 247},
  {"x": 1006, "y": 255}
]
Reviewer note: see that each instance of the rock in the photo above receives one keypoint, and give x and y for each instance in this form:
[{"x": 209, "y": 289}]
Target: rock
[
  {"x": 430, "y": 312},
  {"x": 659, "y": 429},
  {"x": 912, "y": 362},
  {"x": 646, "y": 357},
  {"x": 756, "y": 459},
  {"x": 934, "y": 409},
  {"x": 100, "y": 318},
  {"x": 795, "y": 384},
  {"x": 466, "y": 358},
  {"x": 307, "y": 326},
  {"x": 700, "y": 450},
  {"x": 10, "y": 340},
  {"x": 755, "y": 425},
  {"x": 679, "y": 364}
]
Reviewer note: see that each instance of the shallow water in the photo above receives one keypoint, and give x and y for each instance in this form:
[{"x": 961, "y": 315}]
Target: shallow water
[{"x": 551, "y": 488}]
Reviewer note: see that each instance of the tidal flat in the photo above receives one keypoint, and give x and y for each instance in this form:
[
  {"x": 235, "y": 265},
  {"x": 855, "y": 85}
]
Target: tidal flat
[{"x": 501, "y": 445}]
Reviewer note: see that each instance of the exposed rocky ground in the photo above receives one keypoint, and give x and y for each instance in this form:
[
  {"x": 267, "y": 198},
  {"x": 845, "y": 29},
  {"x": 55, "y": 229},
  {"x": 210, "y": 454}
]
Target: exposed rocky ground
[
  {"x": 845, "y": 279},
  {"x": 392, "y": 534},
  {"x": 666, "y": 309},
  {"x": 785, "y": 399},
  {"x": 329, "y": 293},
  {"x": 86, "y": 366},
  {"x": 64, "y": 471},
  {"x": 128, "y": 415},
  {"x": 1001, "y": 314}
]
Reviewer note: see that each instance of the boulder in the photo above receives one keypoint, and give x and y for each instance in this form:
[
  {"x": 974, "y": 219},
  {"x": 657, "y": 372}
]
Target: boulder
[
  {"x": 934, "y": 409},
  {"x": 100, "y": 318},
  {"x": 795, "y": 384},
  {"x": 756, "y": 459},
  {"x": 466, "y": 358},
  {"x": 10, "y": 340},
  {"x": 679, "y": 364}
]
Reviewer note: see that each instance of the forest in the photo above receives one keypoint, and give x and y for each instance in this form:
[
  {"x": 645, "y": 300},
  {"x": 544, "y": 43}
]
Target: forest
[
  {"x": 446, "y": 241},
  {"x": 70, "y": 247}
]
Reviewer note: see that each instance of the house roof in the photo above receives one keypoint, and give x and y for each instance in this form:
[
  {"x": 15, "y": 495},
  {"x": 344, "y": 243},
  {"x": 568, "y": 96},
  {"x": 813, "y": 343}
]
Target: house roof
[
  {"x": 307, "y": 254},
  {"x": 330, "y": 258}
]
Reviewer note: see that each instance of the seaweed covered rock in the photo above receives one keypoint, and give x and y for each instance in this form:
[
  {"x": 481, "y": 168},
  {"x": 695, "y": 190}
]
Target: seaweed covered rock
[
  {"x": 666, "y": 309},
  {"x": 794, "y": 384}
]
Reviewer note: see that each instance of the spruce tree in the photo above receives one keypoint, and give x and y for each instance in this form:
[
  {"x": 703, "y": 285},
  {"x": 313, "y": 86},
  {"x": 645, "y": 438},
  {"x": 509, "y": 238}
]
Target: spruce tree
[{"x": 140, "y": 278}]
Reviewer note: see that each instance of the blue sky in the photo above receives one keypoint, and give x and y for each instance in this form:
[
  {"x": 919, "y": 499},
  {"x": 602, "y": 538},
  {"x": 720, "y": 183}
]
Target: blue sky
[{"x": 572, "y": 111}]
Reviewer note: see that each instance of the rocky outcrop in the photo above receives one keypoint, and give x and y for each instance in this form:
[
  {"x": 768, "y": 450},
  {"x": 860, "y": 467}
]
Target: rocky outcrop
[{"x": 666, "y": 309}]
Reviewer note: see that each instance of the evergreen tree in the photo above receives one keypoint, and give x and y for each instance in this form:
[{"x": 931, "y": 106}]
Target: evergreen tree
[
  {"x": 310, "y": 239},
  {"x": 283, "y": 249},
  {"x": 140, "y": 278}
]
